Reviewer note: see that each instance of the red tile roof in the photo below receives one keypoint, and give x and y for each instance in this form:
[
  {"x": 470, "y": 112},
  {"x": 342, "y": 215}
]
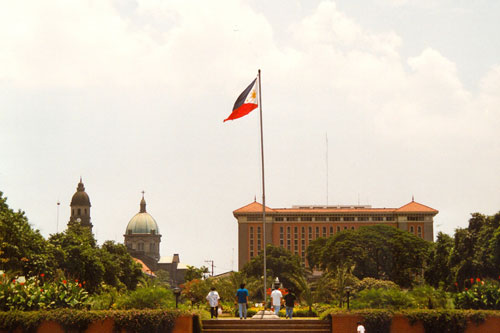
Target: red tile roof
[
  {"x": 412, "y": 207},
  {"x": 145, "y": 269},
  {"x": 254, "y": 207},
  {"x": 415, "y": 207}
]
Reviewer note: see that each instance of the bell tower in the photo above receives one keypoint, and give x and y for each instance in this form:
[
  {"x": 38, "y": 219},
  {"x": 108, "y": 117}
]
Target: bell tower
[{"x": 80, "y": 207}]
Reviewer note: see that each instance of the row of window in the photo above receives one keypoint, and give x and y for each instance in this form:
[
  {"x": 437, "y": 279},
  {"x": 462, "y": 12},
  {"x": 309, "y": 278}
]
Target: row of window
[
  {"x": 331, "y": 218},
  {"x": 140, "y": 247}
]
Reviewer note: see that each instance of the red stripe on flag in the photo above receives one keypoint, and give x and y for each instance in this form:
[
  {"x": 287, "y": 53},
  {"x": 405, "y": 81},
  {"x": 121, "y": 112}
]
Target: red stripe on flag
[{"x": 243, "y": 110}]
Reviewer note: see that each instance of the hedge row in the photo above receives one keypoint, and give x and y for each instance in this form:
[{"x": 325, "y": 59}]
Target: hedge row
[
  {"x": 147, "y": 321},
  {"x": 434, "y": 321}
]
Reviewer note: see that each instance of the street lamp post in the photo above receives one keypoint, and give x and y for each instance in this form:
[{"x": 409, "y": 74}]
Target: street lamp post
[
  {"x": 348, "y": 291},
  {"x": 177, "y": 293}
]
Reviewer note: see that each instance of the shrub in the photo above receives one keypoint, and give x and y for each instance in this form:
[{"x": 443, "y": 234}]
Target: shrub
[
  {"x": 34, "y": 293},
  {"x": 481, "y": 295},
  {"x": 426, "y": 297},
  {"x": 148, "y": 321},
  {"x": 371, "y": 283},
  {"x": 151, "y": 297},
  {"x": 394, "y": 299}
]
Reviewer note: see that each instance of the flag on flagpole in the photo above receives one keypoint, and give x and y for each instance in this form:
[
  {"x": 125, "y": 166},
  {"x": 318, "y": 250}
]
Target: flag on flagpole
[{"x": 245, "y": 103}]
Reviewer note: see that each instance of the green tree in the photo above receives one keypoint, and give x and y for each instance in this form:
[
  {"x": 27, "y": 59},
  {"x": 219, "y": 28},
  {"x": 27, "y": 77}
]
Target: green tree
[
  {"x": 280, "y": 263},
  {"x": 119, "y": 267},
  {"x": 23, "y": 249},
  {"x": 195, "y": 273},
  {"x": 438, "y": 270},
  {"x": 76, "y": 253},
  {"x": 379, "y": 251}
]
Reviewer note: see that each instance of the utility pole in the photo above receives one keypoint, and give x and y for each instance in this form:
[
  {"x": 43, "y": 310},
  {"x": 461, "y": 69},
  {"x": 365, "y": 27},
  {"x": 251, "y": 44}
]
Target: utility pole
[{"x": 212, "y": 262}]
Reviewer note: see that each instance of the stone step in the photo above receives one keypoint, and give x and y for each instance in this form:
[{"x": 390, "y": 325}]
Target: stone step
[{"x": 274, "y": 326}]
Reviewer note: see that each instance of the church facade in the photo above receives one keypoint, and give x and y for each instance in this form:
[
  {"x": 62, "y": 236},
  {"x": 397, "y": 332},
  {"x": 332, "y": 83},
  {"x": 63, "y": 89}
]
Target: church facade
[{"x": 294, "y": 228}]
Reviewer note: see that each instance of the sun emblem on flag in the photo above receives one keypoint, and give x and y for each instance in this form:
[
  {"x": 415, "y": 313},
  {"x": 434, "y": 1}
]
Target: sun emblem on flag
[{"x": 254, "y": 94}]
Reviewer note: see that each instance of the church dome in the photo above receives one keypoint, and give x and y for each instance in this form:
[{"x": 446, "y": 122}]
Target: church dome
[
  {"x": 80, "y": 198},
  {"x": 142, "y": 222}
]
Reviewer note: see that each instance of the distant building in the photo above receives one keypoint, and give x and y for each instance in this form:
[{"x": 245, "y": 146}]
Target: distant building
[
  {"x": 142, "y": 239},
  {"x": 80, "y": 207},
  {"x": 294, "y": 228}
]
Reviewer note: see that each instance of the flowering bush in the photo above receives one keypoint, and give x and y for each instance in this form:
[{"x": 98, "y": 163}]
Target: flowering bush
[
  {"x": 34, "y": 293},
  {"x": 480, "y": 295}
]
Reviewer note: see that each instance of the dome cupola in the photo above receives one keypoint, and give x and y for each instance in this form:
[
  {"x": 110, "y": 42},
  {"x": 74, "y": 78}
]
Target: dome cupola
[{"x": 142, "y": 222}]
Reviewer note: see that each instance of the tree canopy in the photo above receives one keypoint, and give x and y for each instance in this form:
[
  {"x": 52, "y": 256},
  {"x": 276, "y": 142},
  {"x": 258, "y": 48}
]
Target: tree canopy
[{"x": 378, "y": 251}]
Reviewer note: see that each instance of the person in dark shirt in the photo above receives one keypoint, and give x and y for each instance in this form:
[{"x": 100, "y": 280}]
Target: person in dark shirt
[
  {"x": 289, "y": 304},
  {"x": 242, "y": 299}
]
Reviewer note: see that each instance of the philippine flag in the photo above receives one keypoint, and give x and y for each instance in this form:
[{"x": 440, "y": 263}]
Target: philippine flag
[{"x": 245, "y": 103}]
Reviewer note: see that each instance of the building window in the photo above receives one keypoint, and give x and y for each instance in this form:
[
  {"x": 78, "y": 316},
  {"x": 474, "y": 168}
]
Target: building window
[
  {"x": 303, "y": 231},
  {"x": 352, "y": 228},
  {"x": 335, "y": 218},
  {"x": 140, "y": 246},
  {"x": 79, "y": 212},
  {"x": 303, "y": 243},
  {"x": 259, "y": 243},
  {"x": 306, "y": 218},
  {"x": 289, "y": 244},
  {"x": 412, "y": 230},
  {"x": 331, "y": 231},
  {"x": 363, "y": 218},
  {"x": 251, "y": 254},
  {"x": 419, "y": 231},
  {"x": 320, "y": 218},
  {"x": 338, "y": 228},
  {"x": 317, "y": 232},
  {"x": 345, "y": 227},
  {"x": 348, "y": 218},
  {"x": 324, "y": 231},
  {"x": 291, "y": 219},
  {"x": 278, "y": 219},
  {"x": 377, "y": 218},
  {"x": 151, "y": 247},
  {"x": 254, "y": 218},
  {"x": 389, "y": 218}
]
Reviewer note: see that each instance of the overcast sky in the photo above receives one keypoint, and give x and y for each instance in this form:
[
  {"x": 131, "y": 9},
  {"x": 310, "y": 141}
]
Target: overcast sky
[{"x": 131, "y": 96}]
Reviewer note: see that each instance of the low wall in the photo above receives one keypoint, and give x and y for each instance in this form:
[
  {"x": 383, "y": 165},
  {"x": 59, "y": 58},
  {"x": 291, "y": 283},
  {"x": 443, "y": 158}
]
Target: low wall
[
  {"x": 347, "y": 323},
  {"x": 183, "y": 324}
]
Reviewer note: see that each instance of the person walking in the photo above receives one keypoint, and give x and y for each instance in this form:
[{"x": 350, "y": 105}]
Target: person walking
[
  {"x": 276, "y": 296},
  {"x": 213, "y": 301},
  {"x": 242, "y": 299},
  {"x": 289, "y": 304},
  {"x": 361, "y": 328}
]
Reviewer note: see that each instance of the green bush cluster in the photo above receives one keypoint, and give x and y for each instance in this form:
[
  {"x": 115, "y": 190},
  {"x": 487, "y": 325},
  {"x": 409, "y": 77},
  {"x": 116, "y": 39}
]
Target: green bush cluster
[
  {"x": 421, "y": 297},
  {"x": 35, "y": 293},
  {"x": 434, "y": 321},
  {"x": 481, "y": 295},
  {"x": 147, "y": 321}
]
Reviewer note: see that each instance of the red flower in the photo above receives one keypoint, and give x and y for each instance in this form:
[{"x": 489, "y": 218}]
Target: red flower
[
  {"x": 456, "y": 284},
  {"x": 478, "y": 280},
  {"x": 42, "y": 275},
  {"x": 41, "y": 290},
  {"x": 80, "y": 285},
  {"x": 471, "y": 280},
  {"x": 466, "y": 289},
  {"x": 76, "y": 280},
  {"x": 14, "y": 281},
  {"x": 83, "y": 282},
  {"x": 21, "y": 283},
  {"x": 64, "y": 281},
  {"x": 482, "y": 283}
]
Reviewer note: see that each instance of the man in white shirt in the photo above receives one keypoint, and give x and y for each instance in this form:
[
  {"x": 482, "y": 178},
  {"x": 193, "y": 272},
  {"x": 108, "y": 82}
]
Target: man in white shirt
[
  {"x": 361, "y": 328},
  {"x": 213, "y": 301},
  {"x": 276, "y": 296}
]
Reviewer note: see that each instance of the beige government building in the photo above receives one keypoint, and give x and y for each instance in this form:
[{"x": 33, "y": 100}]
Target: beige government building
[{"x": 293, "y": 228}]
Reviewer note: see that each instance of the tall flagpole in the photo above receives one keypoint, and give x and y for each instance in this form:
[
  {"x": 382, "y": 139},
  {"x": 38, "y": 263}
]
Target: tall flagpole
[{"x": 263, "y": 192}]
